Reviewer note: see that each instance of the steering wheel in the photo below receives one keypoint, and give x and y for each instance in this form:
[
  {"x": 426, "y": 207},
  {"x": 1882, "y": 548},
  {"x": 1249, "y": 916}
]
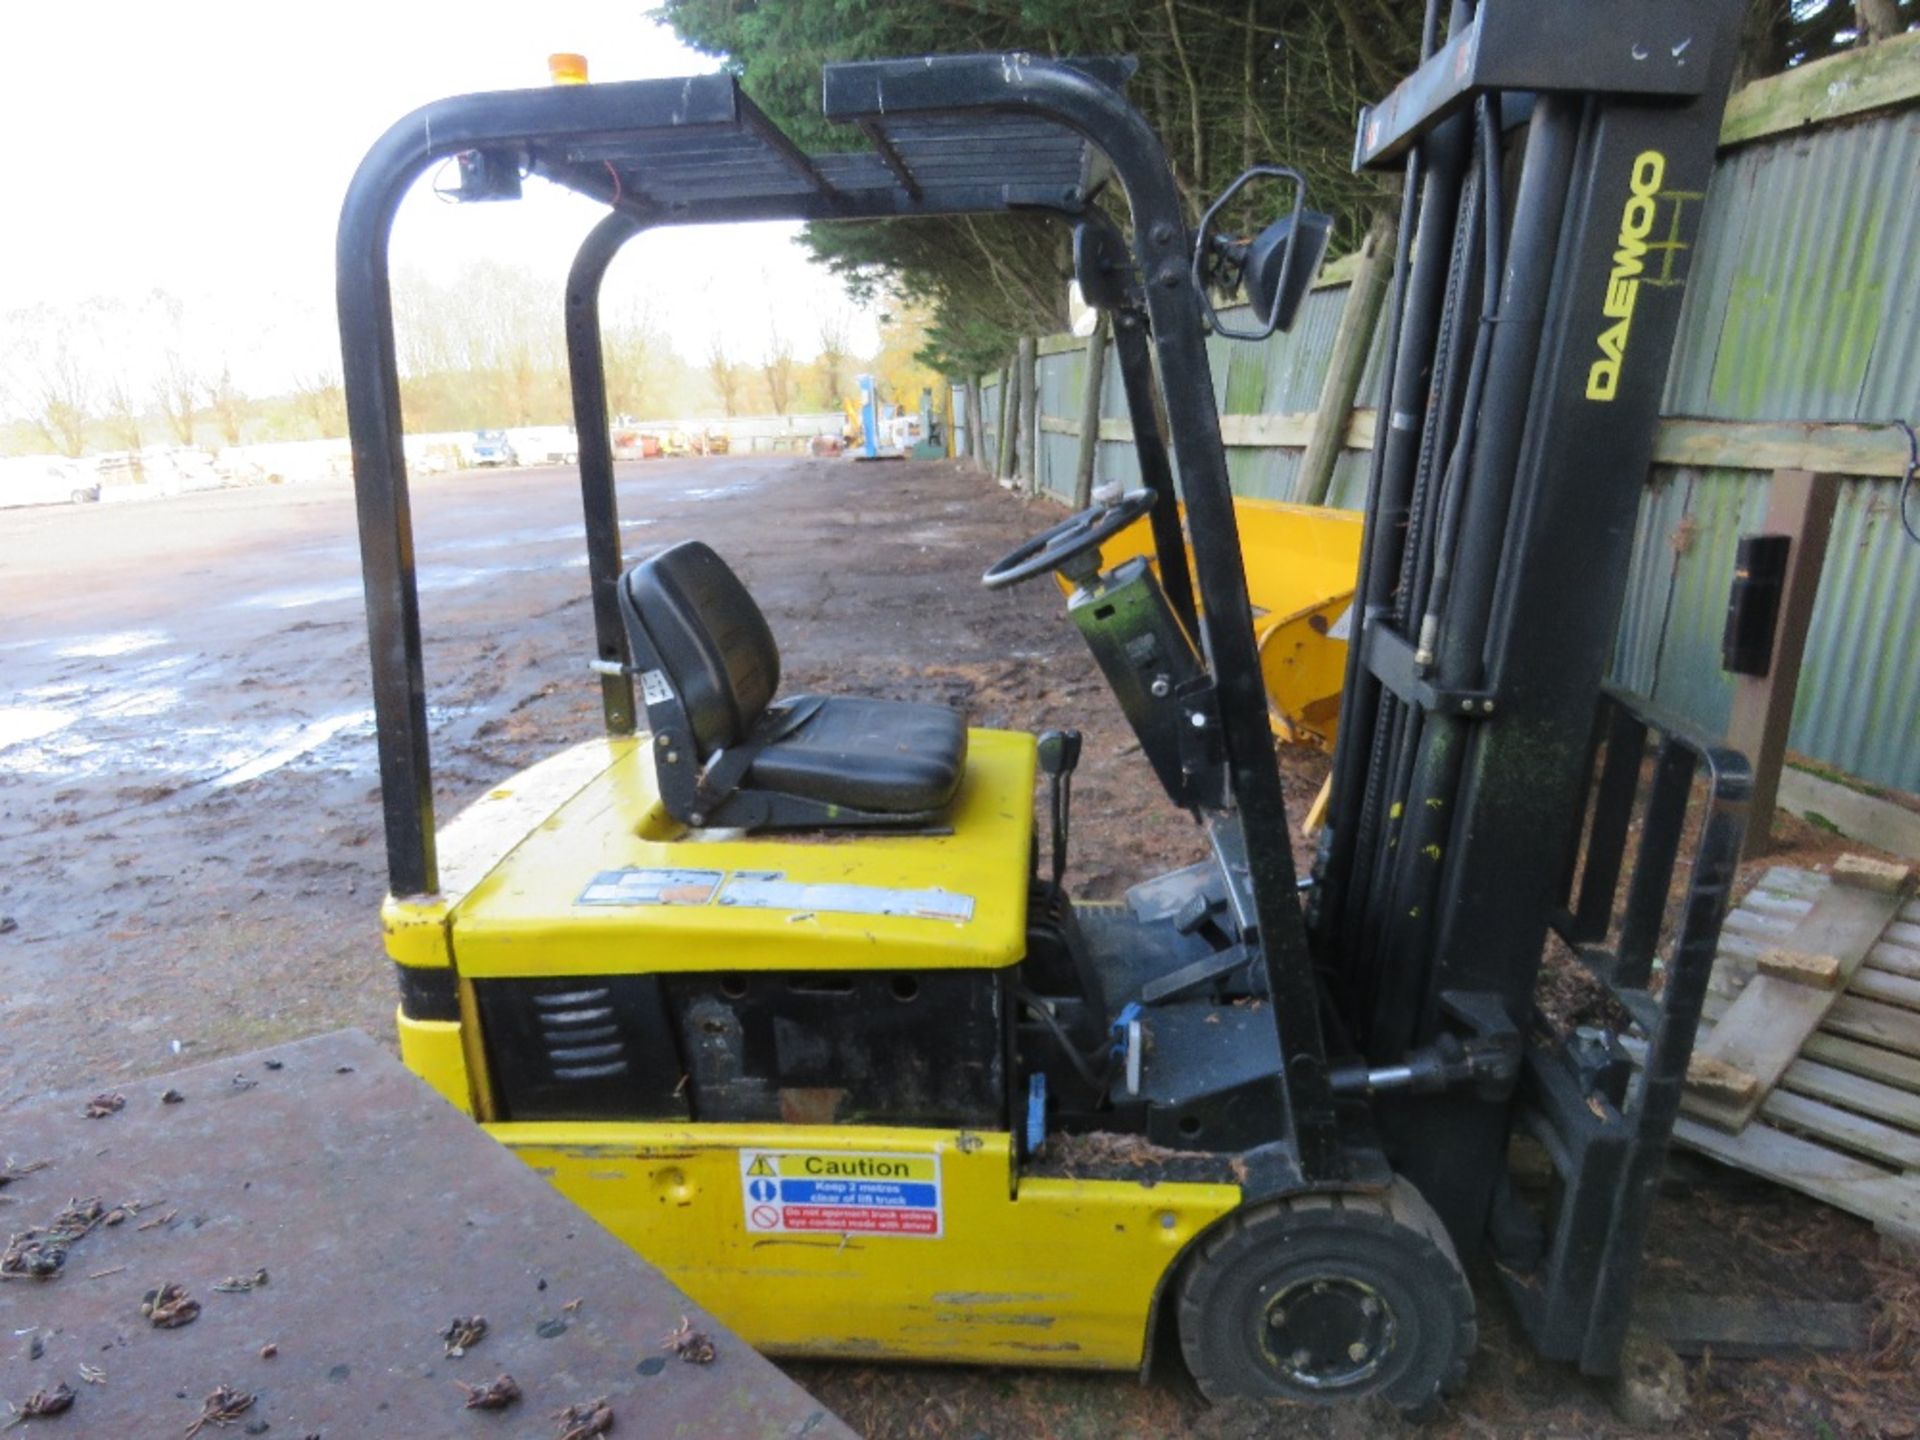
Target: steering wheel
[{"x": 1075, "y": 535}]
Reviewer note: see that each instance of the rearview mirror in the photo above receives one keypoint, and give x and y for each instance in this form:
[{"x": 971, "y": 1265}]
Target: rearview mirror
[
  {"x": 1276, "y": 267},
  {"x": 1281, "y": 263}
]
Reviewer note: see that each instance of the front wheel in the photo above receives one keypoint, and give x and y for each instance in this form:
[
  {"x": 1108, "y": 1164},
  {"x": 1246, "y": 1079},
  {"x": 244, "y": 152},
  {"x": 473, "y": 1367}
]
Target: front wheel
[{"x": 1327, "y": 1298}]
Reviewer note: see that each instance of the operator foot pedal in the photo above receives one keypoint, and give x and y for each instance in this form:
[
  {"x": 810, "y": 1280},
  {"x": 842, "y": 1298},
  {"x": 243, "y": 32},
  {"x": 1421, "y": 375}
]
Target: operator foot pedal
[{"x": 1191, "y": 977}]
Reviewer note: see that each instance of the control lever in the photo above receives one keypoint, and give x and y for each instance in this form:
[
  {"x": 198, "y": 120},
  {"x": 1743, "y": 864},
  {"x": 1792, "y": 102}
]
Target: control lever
[
  {"x": 1059, "y": 755},
  {"x": 1488, "y": 1063}
]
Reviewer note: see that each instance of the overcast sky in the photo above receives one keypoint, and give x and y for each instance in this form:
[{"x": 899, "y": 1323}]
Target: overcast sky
[{"x": 203, "y": 146}]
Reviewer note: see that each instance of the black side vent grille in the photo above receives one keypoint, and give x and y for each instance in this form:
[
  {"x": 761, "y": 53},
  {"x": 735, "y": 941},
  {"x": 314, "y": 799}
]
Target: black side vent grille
[
  {"x": 585, "y": 1049},
  {"x": 580, "y": 1035}
]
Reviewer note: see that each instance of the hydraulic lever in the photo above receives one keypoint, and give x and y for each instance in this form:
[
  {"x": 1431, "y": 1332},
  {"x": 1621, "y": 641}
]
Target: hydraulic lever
[{"x": 1059, "y": 756}]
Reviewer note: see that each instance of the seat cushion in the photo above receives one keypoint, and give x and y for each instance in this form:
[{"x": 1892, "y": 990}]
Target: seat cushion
[
  {"x": 711, "y": 637},
  {"x": 887, "y": 755}
]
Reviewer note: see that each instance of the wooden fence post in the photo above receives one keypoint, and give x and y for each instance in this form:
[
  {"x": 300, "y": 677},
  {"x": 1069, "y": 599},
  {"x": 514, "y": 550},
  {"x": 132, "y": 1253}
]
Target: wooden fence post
[
  {"x": 976, "y": 413},
  {"x": 1003, "y": 433},
  {"x": 1090, "y": 415},
  {"x": 1799, "y": 506},
  {"x": 1351, "y": 342},
  {"x": 1029, "y": 447}
]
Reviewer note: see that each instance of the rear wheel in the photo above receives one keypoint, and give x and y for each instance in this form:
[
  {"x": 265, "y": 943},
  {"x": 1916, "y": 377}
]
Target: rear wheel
[{"x": 1328, "y": 1298}]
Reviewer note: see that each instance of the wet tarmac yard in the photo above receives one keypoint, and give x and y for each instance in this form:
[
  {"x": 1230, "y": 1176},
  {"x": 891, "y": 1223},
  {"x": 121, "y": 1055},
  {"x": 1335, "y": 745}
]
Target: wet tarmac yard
[
  {"x": 190, "y": 858},
  {"x": 189, "y": 812}
]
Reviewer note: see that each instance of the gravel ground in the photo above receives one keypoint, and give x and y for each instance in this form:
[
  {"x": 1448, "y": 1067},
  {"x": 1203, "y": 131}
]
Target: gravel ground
[{"x": 189, "y": 815}]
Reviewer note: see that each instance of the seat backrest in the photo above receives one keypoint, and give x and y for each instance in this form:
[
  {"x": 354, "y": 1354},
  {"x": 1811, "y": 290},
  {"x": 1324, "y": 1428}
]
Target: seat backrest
[{"x": 712, "y": 640}]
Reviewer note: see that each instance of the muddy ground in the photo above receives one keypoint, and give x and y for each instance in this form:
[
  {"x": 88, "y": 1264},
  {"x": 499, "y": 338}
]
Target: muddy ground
[{"x": 190, "y": 829}]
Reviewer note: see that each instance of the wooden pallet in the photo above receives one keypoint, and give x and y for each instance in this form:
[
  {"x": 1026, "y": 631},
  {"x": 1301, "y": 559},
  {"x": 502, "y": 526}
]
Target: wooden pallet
[{"x": 1843, "y": 1124}]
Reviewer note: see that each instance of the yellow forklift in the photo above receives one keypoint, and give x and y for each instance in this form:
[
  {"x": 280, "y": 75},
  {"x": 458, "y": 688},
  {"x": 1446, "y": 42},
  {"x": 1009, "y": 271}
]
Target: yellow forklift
[{"x": 778, "y": 987}]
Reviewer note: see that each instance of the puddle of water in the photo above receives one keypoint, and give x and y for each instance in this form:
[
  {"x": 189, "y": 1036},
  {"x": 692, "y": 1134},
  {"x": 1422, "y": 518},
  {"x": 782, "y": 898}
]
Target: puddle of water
[
  {"x": 510, "y": 539},
  {"x": 718, "y": 492},
  {"x": 137, "y": 704},
  {"x": 297, "y": 743},
  {"x": 428, "y": 577},
  {"x": 461, "y": 577},
  {"x": 45, "y": 743},
  {"x": 55, "y": 694},
  {"x": 21, "y": 723},
  {"x": 210, "y": 755},
  {"x": 102, "y": 647},
  {"x": 299, "y": 597}
]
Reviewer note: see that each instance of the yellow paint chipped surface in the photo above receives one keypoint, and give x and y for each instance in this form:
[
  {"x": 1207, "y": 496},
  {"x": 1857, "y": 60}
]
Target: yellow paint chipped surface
[{"x": 1063, "y": 1273}]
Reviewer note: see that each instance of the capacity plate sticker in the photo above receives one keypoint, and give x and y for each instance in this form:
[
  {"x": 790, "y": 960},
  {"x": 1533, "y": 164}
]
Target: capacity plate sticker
[
  {"x": 651, "y": 887},
  {"x": 771, "y": 890},
  {"x": 787, "y": 1192}
]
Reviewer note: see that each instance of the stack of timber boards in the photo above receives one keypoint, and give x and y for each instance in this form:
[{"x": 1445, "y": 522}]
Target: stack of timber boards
[{"x": 1807, "y": 1069}]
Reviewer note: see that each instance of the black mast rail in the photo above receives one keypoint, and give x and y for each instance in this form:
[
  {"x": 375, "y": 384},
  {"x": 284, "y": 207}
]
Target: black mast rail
[{"x": 1556, "y": 154}]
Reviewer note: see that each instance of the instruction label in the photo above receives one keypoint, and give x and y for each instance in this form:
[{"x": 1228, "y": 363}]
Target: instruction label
[
  {"x": 651, "y": 887},
  {"x": 655, "y": 688},
  {"x": 786, "y": 1192},
  {"x": 771, "y": 890}
]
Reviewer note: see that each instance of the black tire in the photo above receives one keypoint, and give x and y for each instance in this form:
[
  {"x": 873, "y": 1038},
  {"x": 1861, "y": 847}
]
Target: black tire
[{"x": 1376, "y": 1273}]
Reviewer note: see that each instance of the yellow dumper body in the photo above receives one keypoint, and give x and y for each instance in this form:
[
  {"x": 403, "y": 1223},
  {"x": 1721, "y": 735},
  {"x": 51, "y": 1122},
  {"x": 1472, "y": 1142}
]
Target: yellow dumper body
[{"x": 1301, "y": 562}]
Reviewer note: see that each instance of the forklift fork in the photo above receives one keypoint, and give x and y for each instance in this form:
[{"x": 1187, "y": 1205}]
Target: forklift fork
[{"x": 1603, "y": 1125}]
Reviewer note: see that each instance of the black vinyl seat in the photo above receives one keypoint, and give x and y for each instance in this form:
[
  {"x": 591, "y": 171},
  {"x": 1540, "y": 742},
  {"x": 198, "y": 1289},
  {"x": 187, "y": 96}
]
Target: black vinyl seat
[
  {"x": 728, "y": 755},
  {"x": 886, "y": 755}
]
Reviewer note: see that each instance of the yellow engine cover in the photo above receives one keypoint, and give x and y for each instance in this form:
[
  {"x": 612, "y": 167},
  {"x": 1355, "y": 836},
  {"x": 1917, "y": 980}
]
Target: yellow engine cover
[
  {"x": 968, "y": 1260},
  {"x": 825, "y": 900}
]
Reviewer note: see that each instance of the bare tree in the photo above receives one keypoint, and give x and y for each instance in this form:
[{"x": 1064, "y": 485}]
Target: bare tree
[
  {"x": 227, "y": 403},
  {"x": 424, "y": 317},
  {"x": 323, "y": 402},
  {"x": 629, "y": 349},
  {"x": 777, "y": 369},
  {"x": 50, "y": 379},
  {"x": 725, "y": 377},
  {"x": 123, "y": 414},
  {"x": 177, "y": 380},
  {"x": 177, "y": 392},
  {"x": 482, "y": 348},
  {"x": 833, "y": 355},
  {"x": 509, "y": 329}
]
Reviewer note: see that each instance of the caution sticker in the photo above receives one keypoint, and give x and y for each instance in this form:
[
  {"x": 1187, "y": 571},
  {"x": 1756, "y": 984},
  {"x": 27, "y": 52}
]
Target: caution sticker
[{"x": 788, "y": 1192}]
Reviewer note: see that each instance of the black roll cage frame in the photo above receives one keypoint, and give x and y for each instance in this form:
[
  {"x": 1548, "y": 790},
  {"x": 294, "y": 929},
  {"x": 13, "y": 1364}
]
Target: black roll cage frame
[{"x": 923, "y": 118}]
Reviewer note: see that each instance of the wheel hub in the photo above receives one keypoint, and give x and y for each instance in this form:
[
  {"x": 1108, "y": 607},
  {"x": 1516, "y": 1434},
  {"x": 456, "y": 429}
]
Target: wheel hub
[{"x": 1327, "y": 1332}]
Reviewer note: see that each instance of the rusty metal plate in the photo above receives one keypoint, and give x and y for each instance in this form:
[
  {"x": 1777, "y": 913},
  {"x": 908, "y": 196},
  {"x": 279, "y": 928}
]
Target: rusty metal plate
[{"x": 379, "y": 1215}]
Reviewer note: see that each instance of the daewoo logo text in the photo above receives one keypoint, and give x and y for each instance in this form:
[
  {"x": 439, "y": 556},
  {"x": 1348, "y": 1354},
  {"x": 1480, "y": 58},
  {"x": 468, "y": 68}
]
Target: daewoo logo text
[{"x": 1623, "y": 286}]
